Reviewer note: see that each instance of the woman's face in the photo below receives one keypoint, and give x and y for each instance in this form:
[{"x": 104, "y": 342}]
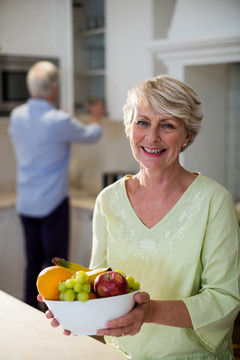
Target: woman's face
[{"x": 156, "y": 139}]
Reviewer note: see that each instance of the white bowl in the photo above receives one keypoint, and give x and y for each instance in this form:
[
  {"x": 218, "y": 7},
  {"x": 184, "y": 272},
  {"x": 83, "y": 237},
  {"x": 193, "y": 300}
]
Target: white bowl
[{"x": 85, "y": 318}]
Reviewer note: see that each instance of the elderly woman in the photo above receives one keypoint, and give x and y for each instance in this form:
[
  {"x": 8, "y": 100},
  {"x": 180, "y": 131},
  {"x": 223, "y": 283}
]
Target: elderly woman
[{"x": 173, "y": 230}]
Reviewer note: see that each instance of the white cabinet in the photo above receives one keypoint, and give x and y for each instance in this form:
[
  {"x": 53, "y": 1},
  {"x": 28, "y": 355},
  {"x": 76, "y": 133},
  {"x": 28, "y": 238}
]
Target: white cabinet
[
  {"x": 12, "y": 256},
  {"x": 81, "y": 236},
  {"x": 110, "y": 55},
  {"x": 89, "y": 52}
]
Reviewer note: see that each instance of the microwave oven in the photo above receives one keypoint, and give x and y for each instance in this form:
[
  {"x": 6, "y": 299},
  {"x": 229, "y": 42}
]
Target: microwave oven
[{"x": 13, "y": 87}]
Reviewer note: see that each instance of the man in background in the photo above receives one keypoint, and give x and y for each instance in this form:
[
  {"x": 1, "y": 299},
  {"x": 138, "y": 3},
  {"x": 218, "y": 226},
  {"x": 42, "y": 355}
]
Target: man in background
[{"x": 42, "y": 137}]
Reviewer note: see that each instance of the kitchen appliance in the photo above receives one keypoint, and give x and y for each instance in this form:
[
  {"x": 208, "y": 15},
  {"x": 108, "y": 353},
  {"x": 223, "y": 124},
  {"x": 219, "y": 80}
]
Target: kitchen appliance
[{"x": 13, "y": 88}]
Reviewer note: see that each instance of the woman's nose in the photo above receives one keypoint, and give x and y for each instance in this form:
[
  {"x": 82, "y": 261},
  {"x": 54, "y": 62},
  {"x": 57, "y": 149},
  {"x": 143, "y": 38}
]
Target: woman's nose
[{"x": 154, "y": 134}]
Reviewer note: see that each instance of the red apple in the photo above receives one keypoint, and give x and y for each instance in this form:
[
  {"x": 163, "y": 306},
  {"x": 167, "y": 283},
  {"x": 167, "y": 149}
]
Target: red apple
[{"x": 110, "y": 283}]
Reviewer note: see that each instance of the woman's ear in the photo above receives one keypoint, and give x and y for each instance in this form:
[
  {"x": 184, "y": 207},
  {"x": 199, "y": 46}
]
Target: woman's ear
[{"x": 188, "y": 138}]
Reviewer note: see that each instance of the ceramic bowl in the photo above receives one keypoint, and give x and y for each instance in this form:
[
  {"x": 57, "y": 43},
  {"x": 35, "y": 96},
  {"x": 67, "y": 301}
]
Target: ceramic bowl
[{"x": 85, "y": 318}]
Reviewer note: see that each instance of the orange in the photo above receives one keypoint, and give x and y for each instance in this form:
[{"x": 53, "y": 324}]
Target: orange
[
  {"x": 49, "y": 279},
  {"x": 92, "y": 295}
]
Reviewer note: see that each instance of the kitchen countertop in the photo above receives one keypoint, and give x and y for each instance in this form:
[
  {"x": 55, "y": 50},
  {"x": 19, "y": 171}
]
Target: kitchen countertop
[
  {"x": 82, "y": 199},
  {"x": 27, "y": 334}
]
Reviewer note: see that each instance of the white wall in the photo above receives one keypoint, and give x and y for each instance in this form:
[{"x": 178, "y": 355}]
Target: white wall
[
  {"x": 207, "y": 153},
  {"x": 186, "y": 42},
  {"x": 129, "y": 27},
  {"x": 205, "y": 18}
]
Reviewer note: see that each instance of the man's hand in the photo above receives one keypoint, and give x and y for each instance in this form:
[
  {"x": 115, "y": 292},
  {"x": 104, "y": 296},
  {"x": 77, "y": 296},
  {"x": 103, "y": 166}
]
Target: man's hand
[{"x": 96, "y": 110}]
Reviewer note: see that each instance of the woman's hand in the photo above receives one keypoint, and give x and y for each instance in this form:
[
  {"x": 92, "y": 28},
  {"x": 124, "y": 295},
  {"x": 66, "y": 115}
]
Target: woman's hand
[
  {"x": 131, "y": 323},
  {"x": 49, "y": 315}
]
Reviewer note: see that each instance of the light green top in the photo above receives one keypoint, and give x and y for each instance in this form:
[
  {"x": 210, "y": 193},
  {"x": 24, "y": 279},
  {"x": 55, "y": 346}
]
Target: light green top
[{"x": 191, "y": 254}]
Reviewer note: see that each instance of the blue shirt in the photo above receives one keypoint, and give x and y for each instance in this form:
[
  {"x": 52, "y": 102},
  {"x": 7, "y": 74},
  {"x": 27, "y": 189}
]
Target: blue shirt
[{"x": 41, "y": 137}]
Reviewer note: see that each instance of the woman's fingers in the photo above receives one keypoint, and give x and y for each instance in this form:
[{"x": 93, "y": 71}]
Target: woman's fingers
[
  {"x": 49, "y": 314},
  {"x": 54, "y": 323},
  {"x": 142, "y": 297},
  {"x": 67, "y": 332},
  {"x": 39, "y": 297},
  {"x": 131, "y": 323}
]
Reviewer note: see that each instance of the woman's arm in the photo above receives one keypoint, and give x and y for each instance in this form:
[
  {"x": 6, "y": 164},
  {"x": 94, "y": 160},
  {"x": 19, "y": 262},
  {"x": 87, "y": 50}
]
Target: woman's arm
[{"x": 170, "y": 313}]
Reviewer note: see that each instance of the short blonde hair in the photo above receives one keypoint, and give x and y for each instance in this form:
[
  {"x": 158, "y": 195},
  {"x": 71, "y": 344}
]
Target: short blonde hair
[
  {"x": 166, "y": 95},
  {"x": 42, "y": 77}
]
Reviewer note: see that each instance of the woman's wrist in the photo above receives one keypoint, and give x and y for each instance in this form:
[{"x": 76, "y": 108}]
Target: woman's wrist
[
  {"x": 151, "y": 313},
  {"x": 170, "y": 313}
]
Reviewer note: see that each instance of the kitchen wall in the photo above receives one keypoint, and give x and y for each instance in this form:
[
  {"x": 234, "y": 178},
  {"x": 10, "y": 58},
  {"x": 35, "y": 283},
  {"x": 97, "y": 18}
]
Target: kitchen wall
[
  {"x": 7, "y": 159},
  {"x": 18, "y": 23},
  {"x": 112, "y": 152},
  {"x": 198, "y": 49},
  {"x": 209, "y": 80}
]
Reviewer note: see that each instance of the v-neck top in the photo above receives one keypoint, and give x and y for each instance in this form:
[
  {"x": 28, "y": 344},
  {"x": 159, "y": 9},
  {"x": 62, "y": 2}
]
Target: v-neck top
[{"x": 191, "y": 254}]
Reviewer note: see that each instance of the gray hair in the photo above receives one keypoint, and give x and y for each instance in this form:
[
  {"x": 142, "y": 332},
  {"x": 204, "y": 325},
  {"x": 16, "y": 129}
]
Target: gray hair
[
  {"x": 169, "y": 96},
  {"x": 42, "y": 77}
]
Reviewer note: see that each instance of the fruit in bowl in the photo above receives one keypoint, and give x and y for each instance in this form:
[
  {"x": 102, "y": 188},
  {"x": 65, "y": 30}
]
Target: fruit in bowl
[
  {"x": 48, "y": 281},
  {"x": 111, "y": 283},
  {"x": 67, "y": 287},
  {"x": 69, "y": 282}
]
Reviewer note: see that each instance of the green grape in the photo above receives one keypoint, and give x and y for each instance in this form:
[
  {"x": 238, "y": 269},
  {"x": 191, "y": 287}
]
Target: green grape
[
  {"x": 119, "y": 271},
  {"x": 61, "y": 296},
  {"x": 86, "y": 287},
  {"x": 62, "y": 286},
  {"x": 78, "y": 287},
  {"x": 135, "y": 286},
  {"x": 130, "y": 281},
  {"x": 69, "y": 295},
  {"x": 70, "y": 283},
  {"x": 81, "y": 276},
  {"x": 82, "y": 296}
]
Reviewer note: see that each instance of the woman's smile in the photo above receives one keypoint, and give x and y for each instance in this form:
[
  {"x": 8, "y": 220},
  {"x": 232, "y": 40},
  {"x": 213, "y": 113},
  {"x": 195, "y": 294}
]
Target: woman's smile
[{"x": 153, "y": 151}]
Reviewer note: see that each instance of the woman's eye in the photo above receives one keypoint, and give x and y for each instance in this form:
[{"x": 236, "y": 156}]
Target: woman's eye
[
  {"x": 167, "y": 126},
  {"x": 142, "y": 123}
]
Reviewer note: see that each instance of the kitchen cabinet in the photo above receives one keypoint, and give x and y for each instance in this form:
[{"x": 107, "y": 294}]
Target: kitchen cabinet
[
  {"x": 89, "y": 52},
  {"x": 110, "y": 56},
  {"x": 12, "y": 257},
  {"x": 81, "y": 236}
]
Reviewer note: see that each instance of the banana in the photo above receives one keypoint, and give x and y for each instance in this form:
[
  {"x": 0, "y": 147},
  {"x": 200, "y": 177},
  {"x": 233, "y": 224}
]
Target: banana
[
  {"x": 71, "y": 266},
  {"x": 94, "y": 273}
]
